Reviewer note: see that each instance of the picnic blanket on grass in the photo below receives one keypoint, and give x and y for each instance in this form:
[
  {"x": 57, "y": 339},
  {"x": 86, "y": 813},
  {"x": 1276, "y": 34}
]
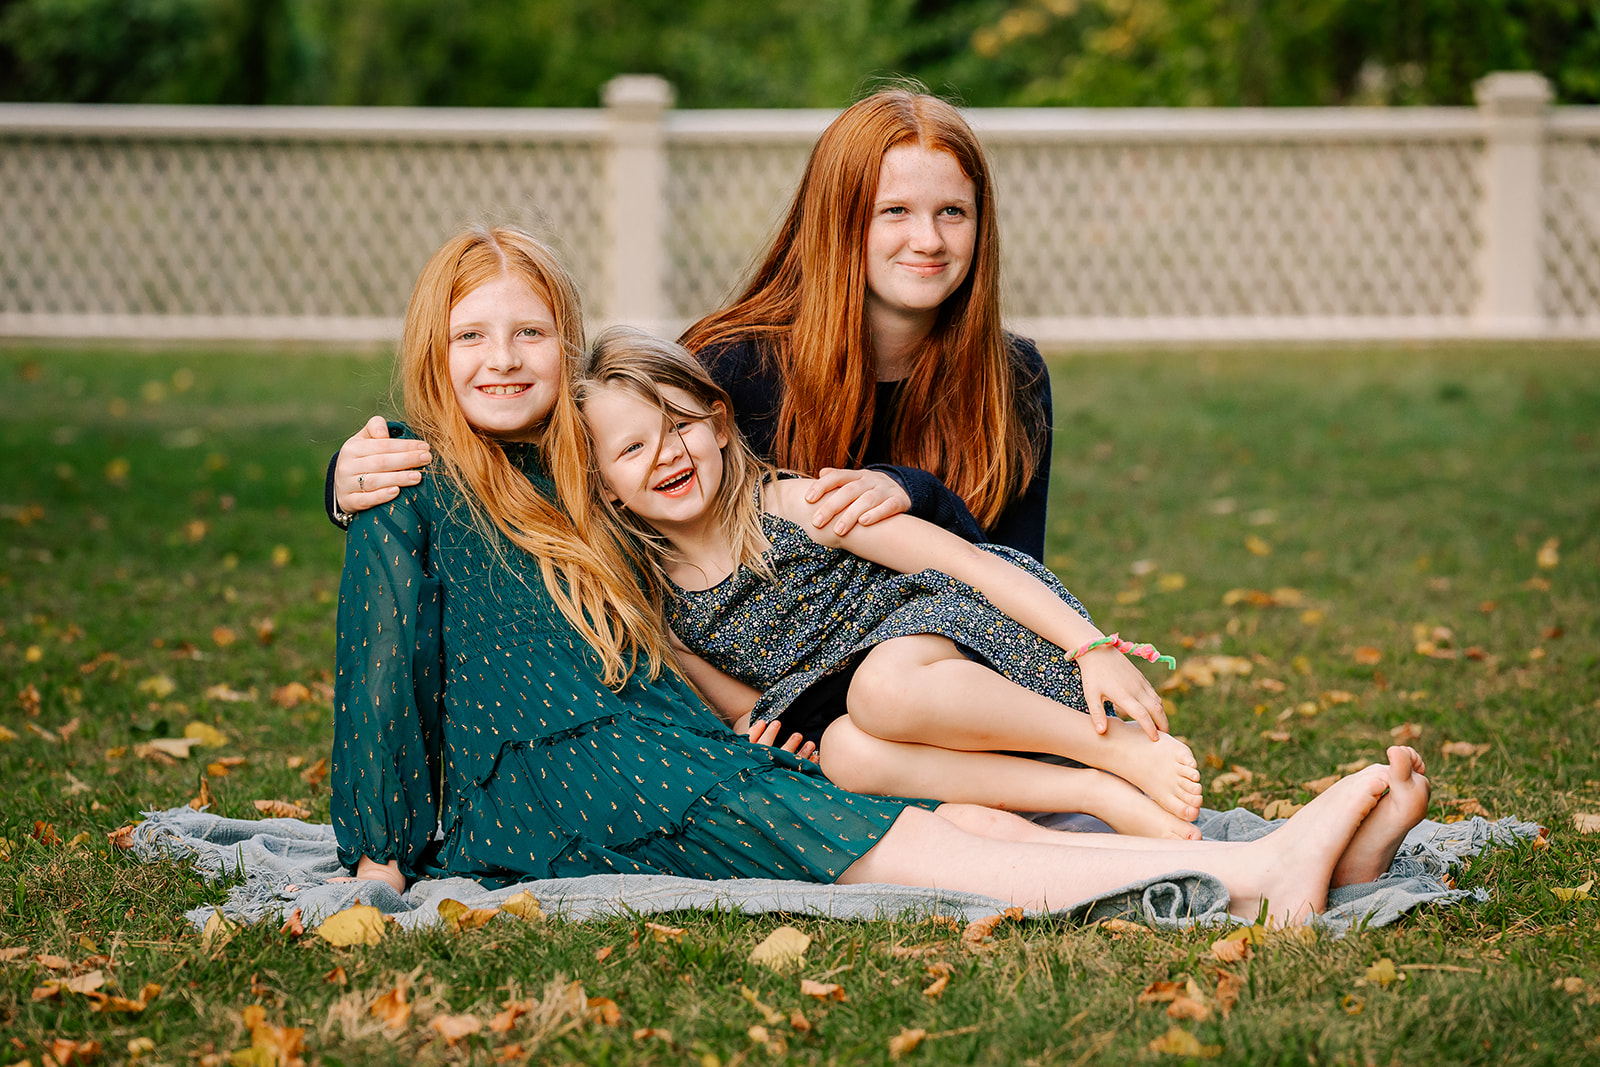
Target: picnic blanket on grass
[{"x": 286, "y": 864}]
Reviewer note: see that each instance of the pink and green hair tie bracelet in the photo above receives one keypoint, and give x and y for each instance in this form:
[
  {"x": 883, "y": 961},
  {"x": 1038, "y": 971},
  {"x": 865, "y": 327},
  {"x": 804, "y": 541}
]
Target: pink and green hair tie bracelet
[{"x": 1142, "y": 650}]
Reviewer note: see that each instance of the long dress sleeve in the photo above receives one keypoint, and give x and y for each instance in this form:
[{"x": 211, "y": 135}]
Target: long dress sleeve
[{"x": 387, "y": 718}]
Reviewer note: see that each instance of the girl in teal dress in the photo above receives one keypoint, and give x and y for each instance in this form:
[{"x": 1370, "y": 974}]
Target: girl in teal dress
[{"x": 507, "y": 706}]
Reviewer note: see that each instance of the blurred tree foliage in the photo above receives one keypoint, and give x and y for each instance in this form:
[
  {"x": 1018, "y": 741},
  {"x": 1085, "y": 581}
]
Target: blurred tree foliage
[{"x": 790, "y": 53}]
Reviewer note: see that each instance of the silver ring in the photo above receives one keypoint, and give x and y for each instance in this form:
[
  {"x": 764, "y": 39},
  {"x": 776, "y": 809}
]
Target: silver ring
[{"x": 361, "y": 482}]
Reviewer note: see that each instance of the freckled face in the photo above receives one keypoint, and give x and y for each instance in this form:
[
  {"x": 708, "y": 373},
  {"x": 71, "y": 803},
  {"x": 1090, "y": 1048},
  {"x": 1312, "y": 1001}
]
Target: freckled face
[
  {"x": 666, "y": 473},
  {"x": 505, "y": 358},
  {"x": 923, "y": 230}
]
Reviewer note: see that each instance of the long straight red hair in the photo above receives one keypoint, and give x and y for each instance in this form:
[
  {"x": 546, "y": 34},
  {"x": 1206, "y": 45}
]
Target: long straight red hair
[{"x": 805, "y": 305}]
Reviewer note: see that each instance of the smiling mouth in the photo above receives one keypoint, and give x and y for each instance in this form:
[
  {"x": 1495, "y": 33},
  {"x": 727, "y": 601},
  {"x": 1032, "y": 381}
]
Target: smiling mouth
[
  {"x": 504, "y": 390},
  {"x": 676, "y": 482}
]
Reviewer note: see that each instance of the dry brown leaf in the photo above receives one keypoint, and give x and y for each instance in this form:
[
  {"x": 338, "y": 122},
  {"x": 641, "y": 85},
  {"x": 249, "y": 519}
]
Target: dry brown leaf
[
  {"x": 1586, "y": 822},
  {"x": 603, "y": 1010},
  {"x": 219, "y": 768},
  {"x": 335, "y": 976},
  {"x": 525, "y": 907},
  {"x": 512, "y": 1010},
  {"x": 1237, "y": 776},
  {"x": 1117, "y": 927},
  {"x": 222, "y": 636},
  {"x": 980, "y": 930},
  {"x": 315, "y": 773},
  {"x": 294, "y": 926},
  {"x": 798, "y": 1020},
  {"x": 287, "y": 696},
  {"x": 656, "y": 1033},
  {"x": 359, "y": 924},
  {"x": 14, "y": 952},
  {"x": 270, "y": 1045},
  {"x": 1464, "y": 748},
  {"x": 203, "y": 799},
  {"x": 1229, "y": 985},
  {"x": 54, "y": 962},
  {"x": 105, "y": 1003},
  {"x": 658, "y": 932},
  {"x": 1367, "y": 655},
  {"x": 281, "y": 809},
  {"x": 905, "y": 1042},
  {"x": 1406, "y": 731},
  {"x": 455, "y": 1027},
  {"x": 225, "y": 695},
  {"x": 1188, "y": 1008},
  {"x": 603, "y": 954},
  {"x": 1230, "y": 951},
  {"x": 1320, "y": 785},
  {"x": 1161, "y": 993},
  {"x": 821, "y": 990},
  {"x": 1332, "y": 697},
  {"x": 392, "y": 1008},
  {"x": 771, "y": 1017},
  {"x": 781, "y": 949},
  {"x": 122, "y": 836},
  {"x": 68, "y": 1053},
  {"x": 171, "y": 747},
  {"x": 913, "y": 952}
]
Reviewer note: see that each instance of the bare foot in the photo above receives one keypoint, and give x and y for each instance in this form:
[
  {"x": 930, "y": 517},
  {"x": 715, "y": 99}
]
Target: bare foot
[
  {"x": 1378, "y": 837},
  {"x": 1128, "y": 811},
  {"x": 1291, "y": 867},
  {"x": 1164, "y": 769}
]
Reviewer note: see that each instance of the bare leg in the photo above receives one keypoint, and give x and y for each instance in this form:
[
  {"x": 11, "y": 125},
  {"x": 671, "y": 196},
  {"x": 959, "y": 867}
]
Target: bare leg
[
  {"x": 1288, "y": 870},
  {"x": 1378, "y": 839},
  {"x": 867, "y": 764},
  {"x": 923, "y": 690}
]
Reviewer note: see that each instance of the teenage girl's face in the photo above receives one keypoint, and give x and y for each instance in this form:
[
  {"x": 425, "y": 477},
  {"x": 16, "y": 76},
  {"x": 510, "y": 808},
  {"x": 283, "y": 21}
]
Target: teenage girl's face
[
  {"x": 505, "y": 358},
  {"x": 922, "y": 233},
  {"x": 666, "y": 473}
]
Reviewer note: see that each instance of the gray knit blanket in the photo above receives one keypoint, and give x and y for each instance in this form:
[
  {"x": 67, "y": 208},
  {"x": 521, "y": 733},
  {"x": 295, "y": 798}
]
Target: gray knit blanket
[{"x": 279, "y": 865}]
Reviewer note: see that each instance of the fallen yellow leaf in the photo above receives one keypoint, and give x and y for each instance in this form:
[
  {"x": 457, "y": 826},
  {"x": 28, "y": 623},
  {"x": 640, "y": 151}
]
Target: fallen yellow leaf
[
  {"x": 1384, "y": 973},
  {"x": 175, "y": 747},
  {"x": 287, "y": 696},
  {"x": 523, "y": 906},
  {"x": 217, "y": 932},
  {"x": 781, "y": 949},
  {"x": 1180, "y": 1042},
  {"x": 1366, "y": 655},
  {"x": 603, "y": 1010},
  {"x": 1549, "y": 554},
  {"x": 203, "y": 799},
  {"x": 1577, "y": 892},
  {"x": 662, "y": 933},
  {"x": 772, "y": 1017},
  {"x": 207, "y": 735},
  {"x": 1586, "y": 822},
  {"x": 458, "y": 917},
  {"x": 645, "y": 1033},
  {"x": 1224, "y": 951},
  {"x": 359, "y": 924},
  {"x": 1258, "y": 546},
  {"x": 980, "y": 930},
  {"x": 158, "y": 686}
]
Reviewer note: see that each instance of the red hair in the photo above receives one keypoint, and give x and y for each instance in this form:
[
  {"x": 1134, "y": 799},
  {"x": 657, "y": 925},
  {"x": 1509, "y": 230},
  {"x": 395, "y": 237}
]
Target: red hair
[{"x": 805, "y": 305}]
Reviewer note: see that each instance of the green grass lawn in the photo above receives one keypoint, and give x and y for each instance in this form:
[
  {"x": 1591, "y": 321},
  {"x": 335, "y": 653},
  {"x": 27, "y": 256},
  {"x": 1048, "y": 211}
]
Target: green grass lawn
[{"x": 1372, "y": 541}]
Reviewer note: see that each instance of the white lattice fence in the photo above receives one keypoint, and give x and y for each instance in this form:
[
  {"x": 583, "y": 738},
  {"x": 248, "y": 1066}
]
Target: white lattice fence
[{"x": 1133, "y": 224}]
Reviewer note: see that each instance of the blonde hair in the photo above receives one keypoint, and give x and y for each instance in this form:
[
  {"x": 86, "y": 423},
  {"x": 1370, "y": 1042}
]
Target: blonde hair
[
  {"x": 587, "y": 571},
  {"x": 643, "y": 365},
  {"x": 958, "y": 413}
]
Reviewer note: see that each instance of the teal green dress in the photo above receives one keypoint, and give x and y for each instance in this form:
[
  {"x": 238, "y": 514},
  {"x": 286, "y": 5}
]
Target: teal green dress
[{"x": 525, "y": 765}]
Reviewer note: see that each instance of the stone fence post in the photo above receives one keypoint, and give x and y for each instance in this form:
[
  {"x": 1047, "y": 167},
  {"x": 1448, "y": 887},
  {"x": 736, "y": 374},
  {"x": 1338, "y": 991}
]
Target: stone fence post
[
  {"x": 636, "y": 175},
  {"x": 1510, "y": 263}
]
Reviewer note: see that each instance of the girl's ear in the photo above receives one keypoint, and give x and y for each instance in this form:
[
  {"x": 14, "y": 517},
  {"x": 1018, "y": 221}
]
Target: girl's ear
[{"x": 719, "y": 421}]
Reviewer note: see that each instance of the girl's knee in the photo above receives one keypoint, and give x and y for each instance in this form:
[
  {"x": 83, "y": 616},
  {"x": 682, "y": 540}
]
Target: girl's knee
[
  {"x": 879, "y": 697},
  {"x": 847, "y": 756}
]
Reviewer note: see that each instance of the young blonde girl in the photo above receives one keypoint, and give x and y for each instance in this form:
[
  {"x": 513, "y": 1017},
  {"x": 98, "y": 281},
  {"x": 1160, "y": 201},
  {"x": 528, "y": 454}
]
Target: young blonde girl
[{"x": 946, "y": 655}]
